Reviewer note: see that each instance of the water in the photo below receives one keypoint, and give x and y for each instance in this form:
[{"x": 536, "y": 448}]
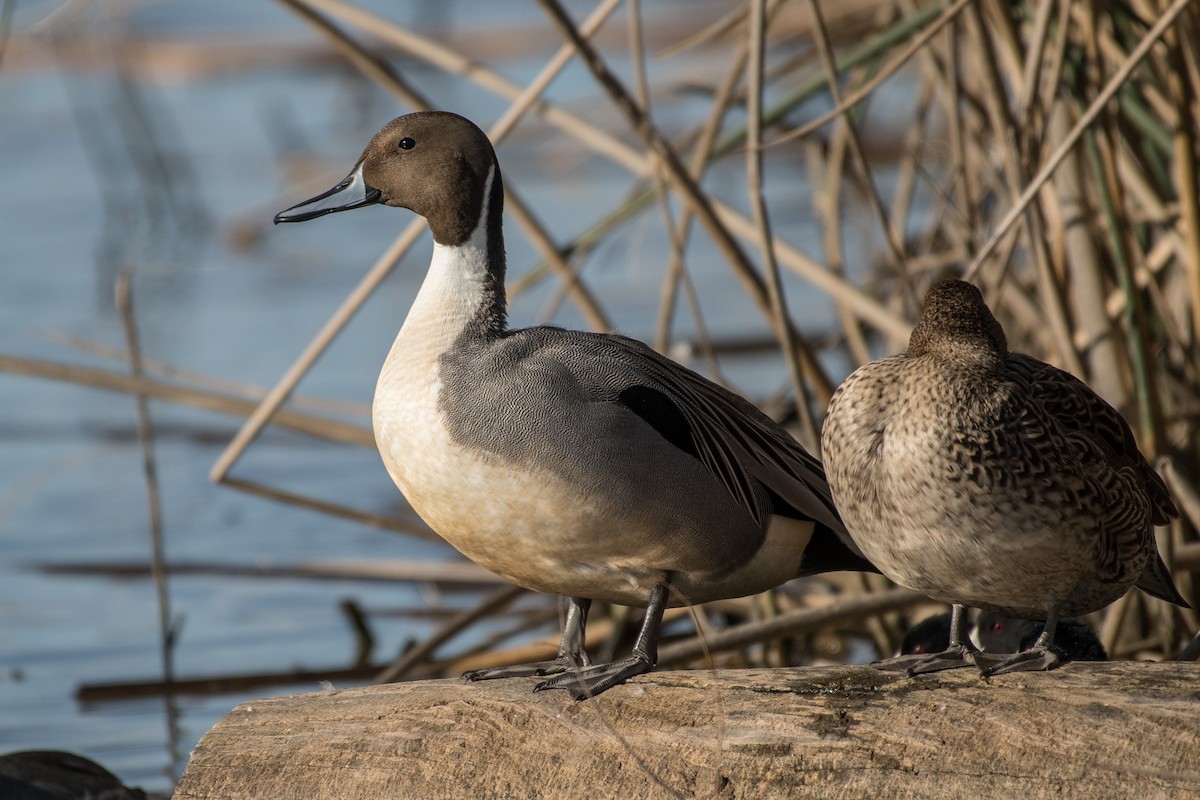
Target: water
[{"x": 81, "y": 202}]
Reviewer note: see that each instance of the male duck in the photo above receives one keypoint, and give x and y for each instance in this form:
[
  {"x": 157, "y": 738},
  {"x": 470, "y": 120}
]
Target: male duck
[{"x": 580, "y": 464}]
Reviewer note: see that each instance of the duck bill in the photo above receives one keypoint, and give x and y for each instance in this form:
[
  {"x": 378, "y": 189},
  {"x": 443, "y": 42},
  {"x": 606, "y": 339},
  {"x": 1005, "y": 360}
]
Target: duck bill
[{"x": 353, "y": 192}]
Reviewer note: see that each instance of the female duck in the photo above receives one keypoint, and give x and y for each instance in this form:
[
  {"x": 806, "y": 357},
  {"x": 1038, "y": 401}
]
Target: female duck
[{"x": 987, "y": 478}]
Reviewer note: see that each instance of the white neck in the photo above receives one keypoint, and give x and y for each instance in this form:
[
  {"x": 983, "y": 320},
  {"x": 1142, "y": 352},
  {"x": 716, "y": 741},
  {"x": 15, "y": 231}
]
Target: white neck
[
  {"x": 453, "y": 289},
  {"x": 405, "y": 409}
]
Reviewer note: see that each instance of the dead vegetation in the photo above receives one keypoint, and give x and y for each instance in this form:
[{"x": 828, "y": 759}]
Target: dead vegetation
[{"x": 1046, "y": 150}]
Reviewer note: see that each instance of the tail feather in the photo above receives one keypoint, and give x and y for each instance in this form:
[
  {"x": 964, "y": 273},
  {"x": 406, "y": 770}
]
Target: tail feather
[
  {"x": 830, "y": 551},
  {"x": 1156, "y": 581}
]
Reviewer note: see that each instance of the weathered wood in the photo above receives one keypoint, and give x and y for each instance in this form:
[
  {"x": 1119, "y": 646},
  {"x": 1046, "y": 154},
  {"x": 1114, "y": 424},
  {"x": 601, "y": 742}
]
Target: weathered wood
[{"x": 1105, "y": 730}]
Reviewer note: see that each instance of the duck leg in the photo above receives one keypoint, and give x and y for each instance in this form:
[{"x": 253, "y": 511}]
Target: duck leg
[
  {"x": 570, "y": 656},
  {"x": 590, "y": 681},
  {"x": 1042, "y": 655},
  {"x": 960, "y": 653}
]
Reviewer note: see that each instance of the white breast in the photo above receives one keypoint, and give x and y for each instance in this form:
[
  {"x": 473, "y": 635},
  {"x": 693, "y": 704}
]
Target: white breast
[
  {"x": 526, "y": 526},
  {"x": 508, "y": 520}
]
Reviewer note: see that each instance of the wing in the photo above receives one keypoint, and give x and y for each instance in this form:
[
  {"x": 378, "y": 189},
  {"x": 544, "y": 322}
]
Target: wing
[
  {"x": 1104, "y": 446},
  {"x": 1079, "y": 411},
  {"x": 751, "y": 455}
]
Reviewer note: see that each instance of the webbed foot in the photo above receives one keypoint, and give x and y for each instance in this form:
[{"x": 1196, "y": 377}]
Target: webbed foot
[
  {"x": 960, "y": 653},
  {"x": 1035, "y": 659},
  {"x": 571, "y": 654},
  {"x": 955, "y": 656},
  {"x": 1042, "y": 655},
  {"x": 591, "y": 681},
  {"x": 530, "y": 670}
]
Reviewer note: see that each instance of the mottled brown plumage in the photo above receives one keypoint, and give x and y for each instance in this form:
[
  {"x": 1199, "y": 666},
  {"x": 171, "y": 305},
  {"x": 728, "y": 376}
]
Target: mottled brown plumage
[{"x": 987, "y": 478}]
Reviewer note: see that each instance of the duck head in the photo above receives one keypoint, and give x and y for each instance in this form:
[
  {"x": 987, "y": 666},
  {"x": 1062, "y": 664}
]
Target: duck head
[{"x": 433, "y": 163}]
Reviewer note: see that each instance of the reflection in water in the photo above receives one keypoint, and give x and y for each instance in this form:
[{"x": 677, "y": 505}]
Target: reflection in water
[{"x": 153, "y": 216}]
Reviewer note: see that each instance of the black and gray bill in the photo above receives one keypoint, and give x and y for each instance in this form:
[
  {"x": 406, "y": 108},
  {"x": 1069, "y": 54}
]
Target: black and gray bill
[{"x": 352, "y": 192}]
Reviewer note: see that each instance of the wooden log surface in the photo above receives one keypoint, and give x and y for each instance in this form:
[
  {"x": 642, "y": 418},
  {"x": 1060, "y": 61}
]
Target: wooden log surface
[{"x": 1098, "y": 730}]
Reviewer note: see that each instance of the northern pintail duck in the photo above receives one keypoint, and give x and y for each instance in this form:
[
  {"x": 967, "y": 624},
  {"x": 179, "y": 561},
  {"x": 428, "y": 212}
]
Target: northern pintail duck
[
  {"x": 987, "y": 478},
  {"x": 579, "y": 464}
]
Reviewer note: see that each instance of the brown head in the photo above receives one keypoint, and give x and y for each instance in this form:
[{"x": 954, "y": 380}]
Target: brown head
[
  {"x": 956, "y": 320},
  {"x": 432, "y": 162}
]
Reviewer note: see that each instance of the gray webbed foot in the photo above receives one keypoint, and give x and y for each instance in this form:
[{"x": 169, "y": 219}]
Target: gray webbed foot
[
  {"x": 591, "y": 681},
  {"x": 955, "y": 656},
  {"x": 571, "y": 654},
  {"x": 960, "y": 653},
  {"x": 1035, "y": 659},
  {"x": 531, "y": 670},
  {"x": 1043, "y": 655}
]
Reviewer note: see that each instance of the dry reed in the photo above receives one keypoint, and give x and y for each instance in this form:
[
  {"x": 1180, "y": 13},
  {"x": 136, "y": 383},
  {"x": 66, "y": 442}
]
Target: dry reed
[{"x": 1047, "y": 150}]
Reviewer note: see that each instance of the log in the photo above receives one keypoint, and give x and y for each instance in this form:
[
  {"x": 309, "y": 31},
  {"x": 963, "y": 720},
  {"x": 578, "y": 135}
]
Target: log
[{"x": 1095, "y": 730}]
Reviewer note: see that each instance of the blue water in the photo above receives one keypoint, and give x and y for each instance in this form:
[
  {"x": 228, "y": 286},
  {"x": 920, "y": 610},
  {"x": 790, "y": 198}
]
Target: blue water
[{"x": 76, "y": 208}]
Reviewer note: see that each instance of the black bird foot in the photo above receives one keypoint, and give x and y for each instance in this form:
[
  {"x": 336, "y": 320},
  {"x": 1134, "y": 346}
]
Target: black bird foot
[
  {"x": 955, "y": 656},
  {"x": 591, "y": 681},
  {"x": 1035, "y": 659},
  {"x": 531, "y": 670}
]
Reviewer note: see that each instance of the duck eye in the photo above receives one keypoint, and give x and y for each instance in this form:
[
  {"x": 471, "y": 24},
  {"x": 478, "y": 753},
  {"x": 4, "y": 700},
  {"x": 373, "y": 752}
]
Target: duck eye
[
  {"x": 407, "y": 143},
  {"x": 997, "y": 627}
]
